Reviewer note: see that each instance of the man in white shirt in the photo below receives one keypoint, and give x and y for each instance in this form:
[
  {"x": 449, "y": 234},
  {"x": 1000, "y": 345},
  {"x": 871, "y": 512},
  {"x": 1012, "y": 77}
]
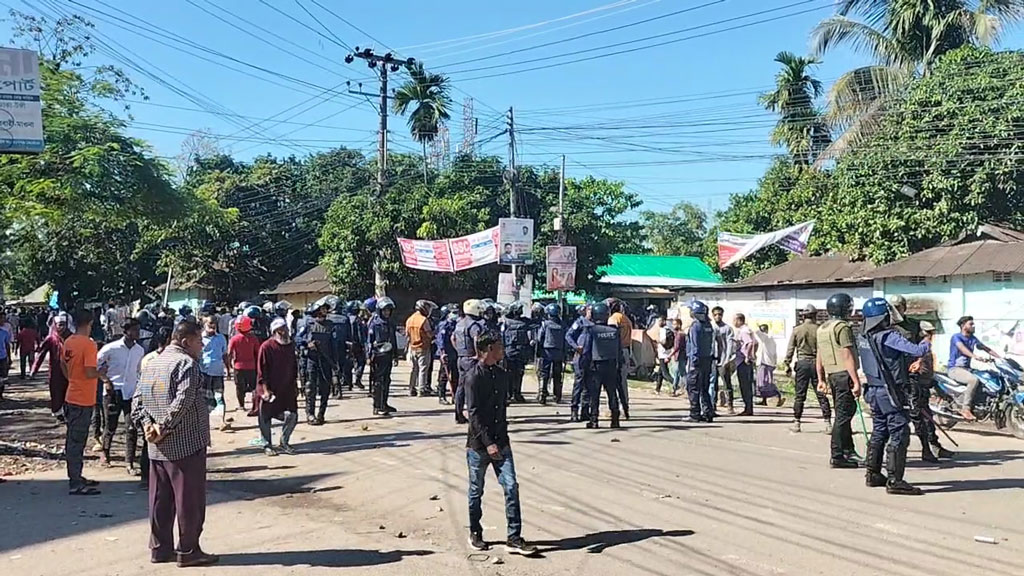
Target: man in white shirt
[
  {"x": 225, "y": 322},
  {"x": 767, "y": 359},
  {"x": 112, "y": 322},
  {"x": 118, "y": 365}
]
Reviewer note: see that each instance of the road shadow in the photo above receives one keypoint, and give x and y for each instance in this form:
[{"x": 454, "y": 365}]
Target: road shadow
[
  {"x": 972, "y": 459},
  {"x": 321, "y": 558},
  {"x": 950, "y": 486},
  {"x": 244, "y": 469},
  {"x": 598, "y": 542},
  {"x": 343, "y": 444}
]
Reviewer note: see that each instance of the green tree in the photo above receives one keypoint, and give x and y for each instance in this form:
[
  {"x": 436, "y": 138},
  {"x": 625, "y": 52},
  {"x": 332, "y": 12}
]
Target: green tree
[
  {"x": 427, "y": 94},
  {"x": 801, "y": 128},
  {"x": 678, "y": 232}
]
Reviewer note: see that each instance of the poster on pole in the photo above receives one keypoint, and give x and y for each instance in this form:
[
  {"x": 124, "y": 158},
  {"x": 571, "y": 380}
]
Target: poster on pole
[
  {"x": 561, "y": 269},
  {"x": 475, "y": 250},
  {"x": 507, "y": 290},
  {"x": 21, "y": 110},
  {"x": 431, "y": 255},
  {"x": 516, "y": 240}
]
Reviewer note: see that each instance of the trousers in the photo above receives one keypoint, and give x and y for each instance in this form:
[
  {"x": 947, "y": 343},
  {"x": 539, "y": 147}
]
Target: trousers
[
  {"x": 419, "y": 370},
  {"x": 890, "y": 422},
  {"x": 447, "y": 376},
  {"x": 725, "y": 372},
  {"x": 177, "y": 490},
  {"x": 846, "y": 407},
  {"x": 505, "y": 470},
  {"x": 551, "y": 370},
  {"x": 116, "y": 405},
  {"x": 920, "y": 412},
  {"x": 603, "y": 374},
  {"x": 464, "y": 363},
  {"x": 382, "y": 366},
  {"x": 745, "y": 375},
  {"x": 289, "y": 418},
  {"x": 516, "y": 370},
  {"x": 806, "y": 377},
  {"x": 580, "y": 390},
  {"x": 318, "y": 387},
  {"x": 77, "y": 419},
  {"x": 701, "y": 402},
  {"x": 623, "y": 388}
]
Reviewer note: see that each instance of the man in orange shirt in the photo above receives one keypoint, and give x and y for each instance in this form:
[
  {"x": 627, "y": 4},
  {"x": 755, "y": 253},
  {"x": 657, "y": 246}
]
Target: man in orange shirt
[
  {"x": 421, "y": 336},
  {"x": 625, "y": 326},
  {"x": 78, "y": 363}
]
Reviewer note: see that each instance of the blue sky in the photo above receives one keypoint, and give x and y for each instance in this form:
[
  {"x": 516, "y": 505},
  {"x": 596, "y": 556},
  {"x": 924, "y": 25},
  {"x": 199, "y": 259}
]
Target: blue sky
[{"x": 612, "y": 116}]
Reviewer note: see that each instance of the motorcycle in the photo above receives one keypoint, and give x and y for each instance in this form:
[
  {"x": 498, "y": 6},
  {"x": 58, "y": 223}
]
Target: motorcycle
[{"x": 1000, "y": 398}]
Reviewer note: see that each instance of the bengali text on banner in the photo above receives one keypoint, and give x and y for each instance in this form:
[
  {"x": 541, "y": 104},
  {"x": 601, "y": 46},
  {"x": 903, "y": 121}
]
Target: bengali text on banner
[{"x": 432, "y": 255}]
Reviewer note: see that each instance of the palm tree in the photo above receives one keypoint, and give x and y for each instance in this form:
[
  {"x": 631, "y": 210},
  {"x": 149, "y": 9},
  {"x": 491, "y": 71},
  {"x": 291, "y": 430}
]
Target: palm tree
[
  {"x": 428, "y": 92},
  {"x": 801, "y": 128},
  {"x": 905, "y": 38}
]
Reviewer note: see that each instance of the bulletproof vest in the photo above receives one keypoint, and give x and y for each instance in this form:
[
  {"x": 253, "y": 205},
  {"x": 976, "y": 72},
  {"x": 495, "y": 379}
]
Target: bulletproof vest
[
  {"x": 891, "y": 360},
  {"x": 342, "y": 331},
  {"x": 358, "y": 330},
  {"x": 554, "y": 335},
  {"x": 605, "y": 345},
  {"x": 705, "y": 340},
  {"x": 828, "y": 345},
  {"x": 464, "y": 344},
  {"x": 516, "y": 337},
  {"x": 321, "y": 332}
]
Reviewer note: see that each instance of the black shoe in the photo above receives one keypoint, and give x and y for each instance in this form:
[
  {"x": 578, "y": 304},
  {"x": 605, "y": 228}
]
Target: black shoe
[
  {"x": 517, "y": 545},
  {"x": 390, "y": 408},
  {"x": 197, "y": 558},
  {"x": 162, "y": 558},
  {"x": 843, "y": 464},
  {"x": 875, "y": 479},
  {"x": 460, "y": 419},
  {"x": 746, "y": 413},
  {"x": 476, "y": 541},
  {"x": 542, "y": 400},
  {"x": 692, "y": 420},
  {"x": 625, "y": 412},
  {"x": 615, "y": 421},
  {"x": 520, "y": 399},
  {"x": 591, "y": 424},
  {"x": 943, "y": 453},
  {"x": 927, "y": 456},
  {"x": 902, "y": 488},
  {"x": 319, "y": 420},
  {"x": 413, "y": 392}
]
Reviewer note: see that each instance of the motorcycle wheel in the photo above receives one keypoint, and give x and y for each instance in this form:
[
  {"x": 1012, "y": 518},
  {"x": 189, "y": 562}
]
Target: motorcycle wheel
[
  {"x": 1015, "y": 420},
  {"x": 942, "y": 420}
]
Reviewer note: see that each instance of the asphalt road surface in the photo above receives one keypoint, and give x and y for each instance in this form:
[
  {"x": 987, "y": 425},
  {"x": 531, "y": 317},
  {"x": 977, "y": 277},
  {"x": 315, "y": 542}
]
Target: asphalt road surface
[{"x": 388, "y": 496}]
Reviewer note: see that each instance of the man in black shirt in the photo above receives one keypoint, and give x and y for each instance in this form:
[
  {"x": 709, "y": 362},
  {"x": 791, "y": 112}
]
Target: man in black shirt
[{"x": 486, "y": 388}]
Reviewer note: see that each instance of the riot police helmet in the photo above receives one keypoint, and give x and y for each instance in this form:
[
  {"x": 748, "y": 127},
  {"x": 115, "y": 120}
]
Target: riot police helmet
[
  {"x": 144, "y": 317},
  {"x": 385, "y": 306},
  {"x": 839, "y": 305},
  {"x": 514, "y": 310},
  {"x": 699, "y": 310},
  {"x": 208, "y": 308},
  {"x": 552, "y": 310},
  {"x": 876, "y": 314},
  {"x": 425, "y": 307},
  {"x": 282, "y": 307},
  {"x": 352, "y": 307},
  {"x": 473, "y": 307},
  {"x": 253, "y": 312},
  {"x": 599, "y": 313},
  {"x": 185, "y": 311},
  {"x": 268, "y": 307},
  {"x": 581, "y": 309},
  {"x": 370, "y": 304}
]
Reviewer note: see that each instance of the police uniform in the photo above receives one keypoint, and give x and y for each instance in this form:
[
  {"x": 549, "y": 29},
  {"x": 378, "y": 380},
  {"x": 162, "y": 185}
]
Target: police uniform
[
  {"x": 552, "y": 346},
  {"x": 315, "y": 342},
  {"x": 832, "y": 337},
  {"x": 601, "y": 354},
  {"x": 515, "y": 335},
  {"x": 700, "y": 363},
  {"x": 918, "y": 392},
  {"x": 464, "y": 340},
  {"x": 803, "y": 344},
  {"x": 381, "y": 348},
  {"x": 580, "y": 391},
  {"x": 448, "y": 375},
  {"x": 353, "y": 369},
  {"x": 884, "y": 356},
  {"x": 341, "y": 338}
]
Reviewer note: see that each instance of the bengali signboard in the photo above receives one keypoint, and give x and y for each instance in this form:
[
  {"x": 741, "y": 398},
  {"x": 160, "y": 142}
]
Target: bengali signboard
[
  {"x": 432, "y": 255},
  {"x": 475, "y": 250},
  {"x": 561, "y": 269},
  {"x": 21, "y": 112},
  {"x": 516, "y": 240}
]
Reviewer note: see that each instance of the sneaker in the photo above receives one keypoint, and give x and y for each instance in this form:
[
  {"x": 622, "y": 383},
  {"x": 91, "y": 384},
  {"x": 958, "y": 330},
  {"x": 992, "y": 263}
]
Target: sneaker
[
  {"x": 902, "y": 488},
  {"x": 516, "y": 545},
  {"x": 269, "y": 450},
  {"x": 286, "y": 448},
  {"x": 782, "y": 400},
  {"x": 476, "y": 541},
  {"x": 842, "y": 464},
  {"x": 795, "y": 427},
  {"x": 196, "y": 558}
]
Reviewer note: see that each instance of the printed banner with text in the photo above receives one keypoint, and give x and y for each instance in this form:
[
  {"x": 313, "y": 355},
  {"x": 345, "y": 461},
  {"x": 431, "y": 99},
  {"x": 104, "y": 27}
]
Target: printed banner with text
[
  {"x": 735, "y": 247},
  {"x": 561, "y": 268},
  {"x": 475, "y": 250},
  {"x": 516, "y": 239},
  {"x": 432, "y": 255}
]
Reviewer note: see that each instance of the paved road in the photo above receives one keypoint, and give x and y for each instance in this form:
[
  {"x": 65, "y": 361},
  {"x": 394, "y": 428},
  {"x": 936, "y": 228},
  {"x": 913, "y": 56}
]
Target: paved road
[{"x": 741, "y": 496}]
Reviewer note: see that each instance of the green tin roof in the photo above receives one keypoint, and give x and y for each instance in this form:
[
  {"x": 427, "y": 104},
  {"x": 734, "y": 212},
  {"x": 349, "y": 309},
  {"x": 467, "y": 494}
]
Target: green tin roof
[{"x": 648, "y": 270}]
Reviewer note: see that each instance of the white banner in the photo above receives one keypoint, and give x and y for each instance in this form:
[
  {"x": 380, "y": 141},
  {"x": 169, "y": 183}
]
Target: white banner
[
  {"x": 475, "y": 250},
  {"x": 21, "y": 111},
  {"x": 735, "y": 247},
  {"x": 516, "y": 240},
  {"x": 432, "y": 255}
]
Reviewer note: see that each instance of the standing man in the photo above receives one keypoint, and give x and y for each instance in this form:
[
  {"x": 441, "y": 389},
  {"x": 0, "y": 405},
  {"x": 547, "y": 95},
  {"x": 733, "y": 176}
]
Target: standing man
[
  {"x": 962, "y": 347},
  {"x": 580, "y": 370},
  {"x": 552, "y": 345},
  {"x": 726, "y": 339},
  {"x": 78, "y": 362},
  {"x": 487, "y": 443},
  {"x": 600, "y": 352},
  {"x": 420, "y": 335},
  {"x": 342, "y": 339},
  {"x": 27, "y": 340},
  {"x": 448, "y": 374},
  {"x": 212, "y": 366},
  {"x": 6, "y": 349},
  {"x": 357, "y": 362},
  {"x": 767, "y": 360},
  {"x": 119, "y": 364},
  {"x": 242, "y": 350},
  {"x": 516, "y": 339},
  {"x": 53, "y": 345},
  {"x": 620, "y": 320},
  {"x": 700, "y": 344},
  {"x": 925, "y": 368},
  {"x": 382, "y": 350},
  {"x": 114, "y": 322},
  {"x": 803, "y": 344},
  {"x": 315, "y": 343},
  {"x": 836, "y": 365},
  {"x": 466, "y": 331},
  {"x": 746, "y": 347},
  {"x": 276, "y": 374},
  {"x": 170, "y": 406},
  {"x": 917, "y": 395},
  {"x": 678, "y": 355},
  {"x": 884, "y": 354}
]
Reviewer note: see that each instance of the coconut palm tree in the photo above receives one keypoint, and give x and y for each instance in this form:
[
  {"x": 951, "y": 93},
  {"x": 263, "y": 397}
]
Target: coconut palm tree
[
  {"x": 426, "y": 94},
  {"x": 905, "y": 38},
  {"x": 801, "y": 128}
]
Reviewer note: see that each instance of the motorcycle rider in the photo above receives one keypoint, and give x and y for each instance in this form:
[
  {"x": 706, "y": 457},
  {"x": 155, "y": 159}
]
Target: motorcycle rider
[
  {"x": 382, "y": 350},
  {"x": 580, "y": 391},
  {"x": 315, "y": 342},
  {"x": 836, "y": 365},
  {"x": 466, "y": 331},
  {"x": 515, "y": 333},
  {"x": 884, "y": 353},
  {"x": 600, "y": 353},
  {"x": 962, "y": 348}
]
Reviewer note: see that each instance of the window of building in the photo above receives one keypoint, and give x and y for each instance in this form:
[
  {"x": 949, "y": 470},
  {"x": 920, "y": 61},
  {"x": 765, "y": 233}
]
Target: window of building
[
  {"x": 918, "y": 281},
  {"x": 1002, "y": 277}
]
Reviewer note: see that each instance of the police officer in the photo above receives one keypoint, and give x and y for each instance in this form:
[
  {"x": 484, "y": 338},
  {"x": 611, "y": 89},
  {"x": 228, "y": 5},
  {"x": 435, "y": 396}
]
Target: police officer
[
  {"x": 836, "y": 365},
  {"x": 580, "y": 391},
  {"x": 803, "y": 343},
  {"x": 353, "y": 369},
  {"x": 551, "y": 342},
  {"x": 382, "y": 350},
  {"x": 448, "y": 375},
  {"x": 341, "y": 338},
  {"x": 884, "y": 354},
  {"x": 490, "y": 315},
  {"x": 466, "y": 331},
  {"x": 600, "y": 353},
  {"x": 315, "y": 342},
  {"x": 515, "y": 333},
  {"x": 700, "y": 343}
]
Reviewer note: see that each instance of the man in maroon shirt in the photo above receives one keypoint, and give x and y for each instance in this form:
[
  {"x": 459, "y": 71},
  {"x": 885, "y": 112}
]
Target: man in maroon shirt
[
  {"x": 27, "y": 340},
  {"x": 276, "y": 373},
  {"x": 54, "y": 346}
]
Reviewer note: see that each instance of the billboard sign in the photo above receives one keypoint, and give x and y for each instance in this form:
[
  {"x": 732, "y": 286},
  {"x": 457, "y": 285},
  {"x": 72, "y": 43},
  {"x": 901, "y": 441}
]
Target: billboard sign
[{"x": 21, "y": 111}]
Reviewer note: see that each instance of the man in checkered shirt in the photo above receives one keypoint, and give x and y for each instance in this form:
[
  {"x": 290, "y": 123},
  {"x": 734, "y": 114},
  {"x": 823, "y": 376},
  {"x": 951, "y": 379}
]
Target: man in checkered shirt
[{"x": 170, "y": 406}]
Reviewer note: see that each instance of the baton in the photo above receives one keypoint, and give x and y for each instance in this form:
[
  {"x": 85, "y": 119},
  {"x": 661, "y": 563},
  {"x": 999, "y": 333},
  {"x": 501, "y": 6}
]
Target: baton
[
  {"x": 863, "y": 428},
  {"x": 946, "y": 434}
]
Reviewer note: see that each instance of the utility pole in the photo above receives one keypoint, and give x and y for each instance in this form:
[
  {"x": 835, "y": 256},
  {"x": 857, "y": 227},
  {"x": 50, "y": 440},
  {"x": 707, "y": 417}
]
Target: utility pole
[
  {"x": 513, "y": 181},
  {"x": 560, "y": 224},
  {"x": 384, "y": 63}
]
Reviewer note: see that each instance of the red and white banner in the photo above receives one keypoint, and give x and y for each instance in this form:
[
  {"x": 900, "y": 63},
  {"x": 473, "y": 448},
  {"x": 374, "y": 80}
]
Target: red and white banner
[
  {"x": 432, "y": 255},
  {"x": 475, "y": 250},
  {"x": 735, "y": 247}
]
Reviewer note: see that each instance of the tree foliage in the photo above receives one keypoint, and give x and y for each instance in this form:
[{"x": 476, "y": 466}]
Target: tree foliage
[
  {"x": 801, "y": 129},
  {"x": 678, "y": 232}
]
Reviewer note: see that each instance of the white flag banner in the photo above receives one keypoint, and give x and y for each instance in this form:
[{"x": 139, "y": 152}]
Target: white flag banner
[{"x": 733, "y": 248}]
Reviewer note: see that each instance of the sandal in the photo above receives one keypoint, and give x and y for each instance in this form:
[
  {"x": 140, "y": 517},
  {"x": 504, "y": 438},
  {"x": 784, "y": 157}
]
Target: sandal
[{"x": 83, "y": 491}]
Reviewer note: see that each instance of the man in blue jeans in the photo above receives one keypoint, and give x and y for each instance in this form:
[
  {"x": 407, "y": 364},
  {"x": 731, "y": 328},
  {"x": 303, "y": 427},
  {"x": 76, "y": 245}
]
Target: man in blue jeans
[{"x": 487, "y": 445}]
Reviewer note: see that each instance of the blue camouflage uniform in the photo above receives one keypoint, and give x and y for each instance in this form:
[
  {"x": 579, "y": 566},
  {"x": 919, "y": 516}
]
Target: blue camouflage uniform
[
  {"x": 601, "y": 356},
  {"x": 551, "y": 341},
  {"x": 580, "y": 391},
  {"x": 315, "y": 343},
  {"x": 380, "y": 333},
  {"x": 341, "y": 338},
  {"x": 515, "y": 334},
  {"x": 700, "y": 362},
  {"x": 448, "y": 375},
  {"x": 464, "y": 339}
]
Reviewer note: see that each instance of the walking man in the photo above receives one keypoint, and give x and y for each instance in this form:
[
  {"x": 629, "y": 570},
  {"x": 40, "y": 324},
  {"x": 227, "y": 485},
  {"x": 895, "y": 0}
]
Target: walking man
[
  {"x": 620, "y": 320},
  {"x": 78, "y": 362},
  {"x": 276, "y": 374},
  {"x": 803, "y": 344},
  {"x": 212, "y": 365},
  {"x": 552, "y": 346},
  {"x": 420, "y": 335},
  {"x": 170, "y": 406},
  {"x": 382, "y": 350},
  {"x": 119, "y": 364},
  {"x": 837, "y": 369},
  {"x": 27, "y": 340},
  {"x": 242, "y": 350},
  {"x": 726, "y": 339},
  {"x": 487, "y": 443},
  {"x": 53, "y": 346},
  {"x": 600, "y": 352}
]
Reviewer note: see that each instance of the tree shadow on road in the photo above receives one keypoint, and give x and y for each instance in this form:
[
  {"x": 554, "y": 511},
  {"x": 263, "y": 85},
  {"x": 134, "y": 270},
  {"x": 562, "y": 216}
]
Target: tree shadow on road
[
  {"x": 321, "y": 558},
  {"x": 971, "y": 485},
  {"x": 597, "y": 542}
]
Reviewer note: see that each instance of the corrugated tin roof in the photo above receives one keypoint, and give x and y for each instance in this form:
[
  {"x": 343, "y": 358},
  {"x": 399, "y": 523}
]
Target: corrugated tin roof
[
  {"x": 648, "y": 270},
  {"x": 831, "y": 269},
  {"x": 979, "y": 257},
  {"x": 313, "y": 280}
]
